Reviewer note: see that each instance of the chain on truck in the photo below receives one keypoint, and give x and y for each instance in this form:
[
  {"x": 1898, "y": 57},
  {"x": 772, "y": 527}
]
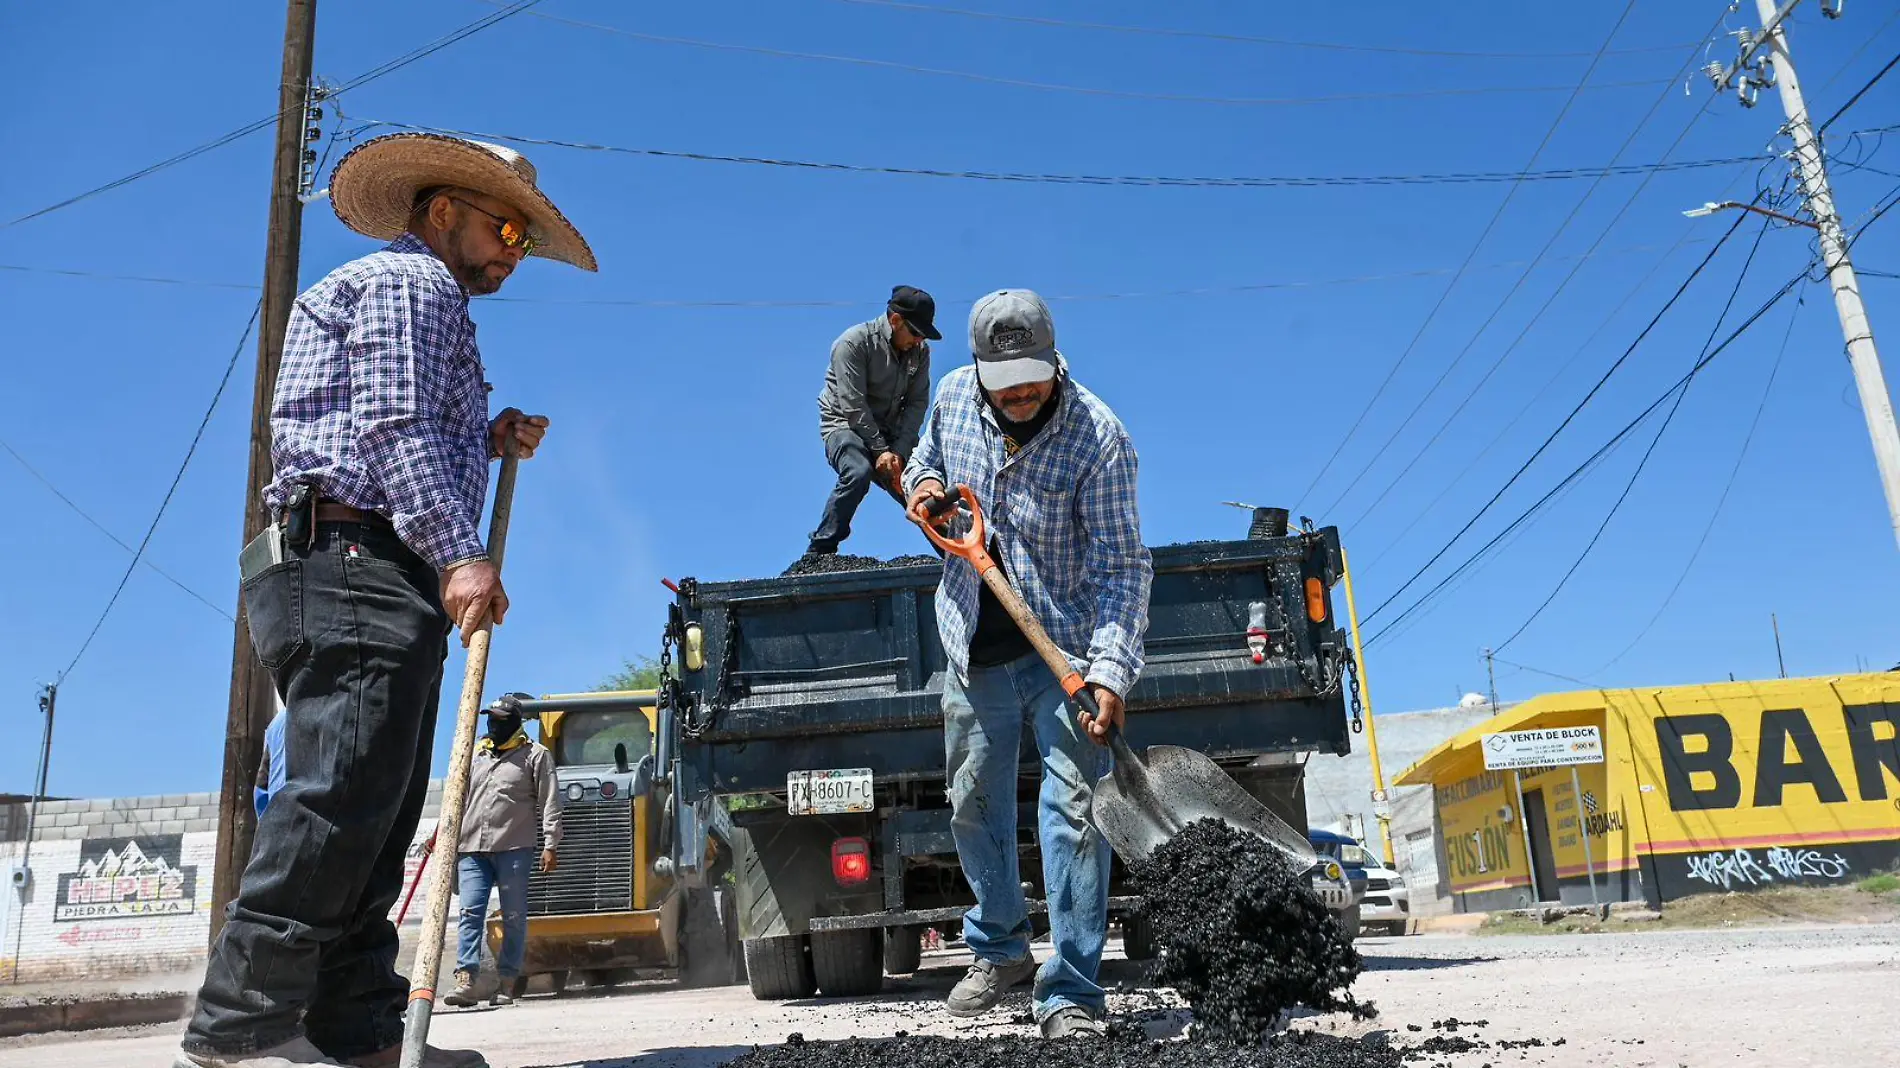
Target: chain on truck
[{"x": 799, "y": 743}]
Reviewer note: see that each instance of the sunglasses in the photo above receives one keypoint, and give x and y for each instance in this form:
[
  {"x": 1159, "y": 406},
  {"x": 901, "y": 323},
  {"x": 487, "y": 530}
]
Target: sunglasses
[{"x": 511, "y": 234}]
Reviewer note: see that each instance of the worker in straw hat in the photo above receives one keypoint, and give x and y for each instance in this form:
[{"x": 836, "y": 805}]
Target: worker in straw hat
[{"x": 381, "y": 440}]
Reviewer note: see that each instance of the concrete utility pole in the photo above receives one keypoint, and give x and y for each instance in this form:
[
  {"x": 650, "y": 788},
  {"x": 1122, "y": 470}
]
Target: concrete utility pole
[
  {"x": 1746, "y": 76},
  {"x": 253, "y": 696}
]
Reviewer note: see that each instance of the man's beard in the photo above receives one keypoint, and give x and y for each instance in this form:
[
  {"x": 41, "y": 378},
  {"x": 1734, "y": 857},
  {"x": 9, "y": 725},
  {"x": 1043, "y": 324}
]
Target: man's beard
[{"x": 474, "y": 276}]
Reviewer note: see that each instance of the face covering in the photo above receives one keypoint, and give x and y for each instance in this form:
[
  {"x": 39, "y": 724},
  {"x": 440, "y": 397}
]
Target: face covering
[{"x": 502, "y": 728}]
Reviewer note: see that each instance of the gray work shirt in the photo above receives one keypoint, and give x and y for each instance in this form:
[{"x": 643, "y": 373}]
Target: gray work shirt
[
  {"x": 874, "y": 390},
  {"x": 510, "y": 794}
]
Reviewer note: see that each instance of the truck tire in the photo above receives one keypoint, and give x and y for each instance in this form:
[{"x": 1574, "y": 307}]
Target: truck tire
[
  {"x": 779, "y": 968},
  {"x": 1138, "y": 938},
  {"x": 903, "y": 950},
  {"x": 1349, "y": 921},
  {"x": 848, "y": 964},
  {"x": 706, "y": 952}
]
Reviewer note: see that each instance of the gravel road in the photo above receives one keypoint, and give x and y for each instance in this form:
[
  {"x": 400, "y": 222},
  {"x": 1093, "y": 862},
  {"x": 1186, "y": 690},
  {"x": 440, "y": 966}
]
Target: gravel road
[{"x": 1820, "y": 997}]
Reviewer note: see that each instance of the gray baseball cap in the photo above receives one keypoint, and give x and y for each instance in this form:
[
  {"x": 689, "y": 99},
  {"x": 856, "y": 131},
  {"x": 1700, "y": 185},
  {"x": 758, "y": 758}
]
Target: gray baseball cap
[{"x": 1013, "y": 339}]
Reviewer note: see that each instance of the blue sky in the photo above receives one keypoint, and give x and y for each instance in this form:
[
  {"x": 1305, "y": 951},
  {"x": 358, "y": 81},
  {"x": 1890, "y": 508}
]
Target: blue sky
[{"x": 684, "y": 437}]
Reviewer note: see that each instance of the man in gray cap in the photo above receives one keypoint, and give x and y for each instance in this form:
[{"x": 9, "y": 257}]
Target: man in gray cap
[
  {"x": 873, "y": 404},
  {"x": 1055, "y": 473}
]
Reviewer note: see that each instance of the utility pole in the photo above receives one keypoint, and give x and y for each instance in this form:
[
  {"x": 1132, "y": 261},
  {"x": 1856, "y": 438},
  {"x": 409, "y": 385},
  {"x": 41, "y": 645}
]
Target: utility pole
[
  {"x": 1491, "y": 672},
  {"x": 1780, "y": 661},
  {"x": 1746, "y": 75},
  {"x": 253, "y": 695}
]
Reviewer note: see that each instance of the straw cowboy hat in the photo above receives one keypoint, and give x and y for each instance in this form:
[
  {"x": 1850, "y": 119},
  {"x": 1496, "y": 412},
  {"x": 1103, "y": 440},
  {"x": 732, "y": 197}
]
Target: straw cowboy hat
[{"x": 374, "y": 188}]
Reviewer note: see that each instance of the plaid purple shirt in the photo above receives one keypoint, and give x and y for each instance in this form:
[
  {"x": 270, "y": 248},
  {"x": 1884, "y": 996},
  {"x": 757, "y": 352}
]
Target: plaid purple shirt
[
  {"x": 381, "y": 402},
  {"x": 1064, "y": 517}
]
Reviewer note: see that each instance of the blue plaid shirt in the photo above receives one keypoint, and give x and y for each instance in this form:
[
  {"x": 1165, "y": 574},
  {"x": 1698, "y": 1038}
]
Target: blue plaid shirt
[
  {"x": 381, "y": 402},
  {"x": 1062, "y": 513}
]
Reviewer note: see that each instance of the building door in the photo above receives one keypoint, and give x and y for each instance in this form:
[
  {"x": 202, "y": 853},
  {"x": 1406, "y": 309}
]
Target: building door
[{"x": 1543, "y": 860}]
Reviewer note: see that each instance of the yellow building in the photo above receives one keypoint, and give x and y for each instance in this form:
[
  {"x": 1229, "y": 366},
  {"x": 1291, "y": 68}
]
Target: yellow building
[{"x": 1728, "y": 786}]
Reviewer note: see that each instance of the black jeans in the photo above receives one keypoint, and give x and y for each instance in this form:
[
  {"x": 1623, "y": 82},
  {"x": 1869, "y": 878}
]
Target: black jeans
[
  {"x": 857, "y": 468},
  {"x": 353, "y": 631}
]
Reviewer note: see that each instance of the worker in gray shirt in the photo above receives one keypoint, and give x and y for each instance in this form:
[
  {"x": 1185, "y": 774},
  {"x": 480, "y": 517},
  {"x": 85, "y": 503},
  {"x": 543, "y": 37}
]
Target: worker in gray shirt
[
  {"x": 873, "y": 406},
  {"x": 513, "y": 791}
]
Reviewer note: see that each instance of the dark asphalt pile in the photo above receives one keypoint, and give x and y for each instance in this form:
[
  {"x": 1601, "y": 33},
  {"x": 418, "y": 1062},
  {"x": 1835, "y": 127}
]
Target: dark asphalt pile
[
  {"x": 1242, "y": 935},
  {"x": 1125, "y": 1047},
  {"x": 837, "y": 563}
]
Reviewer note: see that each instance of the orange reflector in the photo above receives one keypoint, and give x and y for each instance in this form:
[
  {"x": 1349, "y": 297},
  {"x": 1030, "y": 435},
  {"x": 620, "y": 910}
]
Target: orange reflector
[{"x": 1316, "y": 600}]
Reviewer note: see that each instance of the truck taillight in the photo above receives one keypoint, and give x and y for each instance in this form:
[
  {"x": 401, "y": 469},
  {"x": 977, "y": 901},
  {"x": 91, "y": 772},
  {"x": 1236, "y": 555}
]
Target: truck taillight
[
  {"x": 851, "y": 861},
  {"x": 1316, "y": 600}
]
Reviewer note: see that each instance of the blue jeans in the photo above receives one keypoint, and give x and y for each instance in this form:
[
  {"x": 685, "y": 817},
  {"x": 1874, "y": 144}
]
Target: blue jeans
[
  {"x": 478, "y": 873},
  {"x": 983, "y": 733}
]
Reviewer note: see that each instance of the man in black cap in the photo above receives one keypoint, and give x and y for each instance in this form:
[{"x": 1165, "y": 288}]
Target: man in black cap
[{"x": 873, "y": 406}]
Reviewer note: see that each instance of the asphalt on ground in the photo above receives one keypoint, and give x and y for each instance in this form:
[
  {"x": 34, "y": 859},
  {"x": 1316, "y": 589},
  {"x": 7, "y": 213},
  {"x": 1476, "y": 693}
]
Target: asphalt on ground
[{"x": 1807, "y": 997}]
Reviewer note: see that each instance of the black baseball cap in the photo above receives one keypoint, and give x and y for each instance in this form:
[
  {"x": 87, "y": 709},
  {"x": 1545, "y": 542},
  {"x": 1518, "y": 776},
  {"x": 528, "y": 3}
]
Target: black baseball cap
[{"x": 917, "y": 309}]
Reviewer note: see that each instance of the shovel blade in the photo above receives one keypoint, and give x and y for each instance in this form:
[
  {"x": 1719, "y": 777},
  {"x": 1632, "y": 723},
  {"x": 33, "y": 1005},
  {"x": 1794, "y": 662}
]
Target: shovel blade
[{"x": 1143, "y": 803}]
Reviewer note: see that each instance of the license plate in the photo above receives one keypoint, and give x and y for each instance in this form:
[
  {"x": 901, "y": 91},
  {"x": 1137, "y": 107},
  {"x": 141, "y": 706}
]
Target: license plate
[{"x": 820, "y": 793}]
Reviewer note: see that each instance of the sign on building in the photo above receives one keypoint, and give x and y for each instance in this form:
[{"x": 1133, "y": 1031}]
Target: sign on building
[
  {"x": 128, "y": 878},
  {"x": 1551, "y": 748}
]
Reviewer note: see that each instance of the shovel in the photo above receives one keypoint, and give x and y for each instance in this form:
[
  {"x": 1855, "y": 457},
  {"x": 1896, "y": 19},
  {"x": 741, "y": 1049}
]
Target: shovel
[{"x": 1144, "y": 801}]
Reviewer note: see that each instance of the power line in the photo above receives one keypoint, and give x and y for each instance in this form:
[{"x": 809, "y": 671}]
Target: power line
[
  {"x": 250, "y": 128},
  {"x": 1498, "y": 309},
  {"x": 1587, "y": 398},
  {"x": 1862, "y": 91},
  {"x": 139, "y": 553},
  {"x": 1279, "y": 42},
  {"x": 1642, "y": 417},
  {"x": 1865, "y": 44},
  {"x": 1195, "y": 291},
  {"x": 101, "y": 528},
  {"x": 1083, "y": 90},
  {"x": 1687, "y": 236},
  {"x": 1654, "y": 442},
  {"x": 1281, "y": 181},
  {"x": 1432, "y": 315},
  {"x": 1735, "y": 471},
  {"x": 1540, "y": 671}
]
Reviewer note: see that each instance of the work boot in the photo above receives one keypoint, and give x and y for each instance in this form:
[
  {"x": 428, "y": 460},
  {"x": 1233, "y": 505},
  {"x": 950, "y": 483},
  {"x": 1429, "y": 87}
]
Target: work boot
[
  {"x": 511, "y": 990},
  {"x": 463, "y": 996},
  {"x": 985, "y": 984},
  {"x": 296, "y": 1053},
  {"x": 1071, "y": 1021},
  {"x": 431, "y": 1058}
]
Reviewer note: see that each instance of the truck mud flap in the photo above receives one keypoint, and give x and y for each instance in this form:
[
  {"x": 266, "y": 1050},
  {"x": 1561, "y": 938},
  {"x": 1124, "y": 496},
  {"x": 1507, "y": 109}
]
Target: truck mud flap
[{"x": 783, "y": 874}]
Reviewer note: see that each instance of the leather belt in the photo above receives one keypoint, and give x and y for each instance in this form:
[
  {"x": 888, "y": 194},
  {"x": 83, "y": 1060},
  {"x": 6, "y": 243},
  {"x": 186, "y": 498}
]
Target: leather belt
[{"x": 336, "y": 512}]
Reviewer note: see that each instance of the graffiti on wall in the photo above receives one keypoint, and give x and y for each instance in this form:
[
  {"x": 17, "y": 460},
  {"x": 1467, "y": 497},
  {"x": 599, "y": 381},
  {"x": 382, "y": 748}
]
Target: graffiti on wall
[
  {"x": 1728, "y": 869},
  {"x": 121, "y": 878}
]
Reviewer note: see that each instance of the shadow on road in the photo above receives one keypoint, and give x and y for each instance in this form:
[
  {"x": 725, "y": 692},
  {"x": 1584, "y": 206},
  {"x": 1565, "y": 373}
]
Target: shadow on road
[
  {"x": 1383, "y": 963},
  {"x": 672, "y": 1057}
]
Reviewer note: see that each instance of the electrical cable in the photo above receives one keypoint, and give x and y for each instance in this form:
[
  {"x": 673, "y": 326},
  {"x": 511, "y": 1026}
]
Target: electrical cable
[
  {"x": 139, "y": 554},
  {"x": 1497, "y": 215},
  {"x": 1587, "y": 398},
  {"x": 101, "y": 528},
  {"x": 1082, "y": 90},
  {"x": 1629, "y": 428},
  {"x": 1054, "y": 297},
  {"x": 1669, "y": 418},
  {"x": 1162, "y": 181},
  {"x": 1721, "y": 501},
  {"x": 1862, "y": 91},
  {"x": 250, "y": 128},
  {"x": 1524, "y": 332},
  {"x": 1280, "y": 42}
]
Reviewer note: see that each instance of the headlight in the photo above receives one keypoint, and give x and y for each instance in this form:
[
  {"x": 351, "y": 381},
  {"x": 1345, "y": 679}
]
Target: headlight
[
  {"x": 575, "y": 791},
  {"x": 608, "y": 791}
]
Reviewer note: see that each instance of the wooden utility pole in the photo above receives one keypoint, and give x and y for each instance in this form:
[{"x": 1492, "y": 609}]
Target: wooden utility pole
[{"x": 253, "y": 696}]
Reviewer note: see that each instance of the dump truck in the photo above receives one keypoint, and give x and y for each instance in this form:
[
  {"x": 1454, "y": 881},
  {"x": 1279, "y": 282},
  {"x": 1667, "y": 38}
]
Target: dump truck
[
  {"x": 806, "y": 711},
  {"x": 608, "y": 913}
]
